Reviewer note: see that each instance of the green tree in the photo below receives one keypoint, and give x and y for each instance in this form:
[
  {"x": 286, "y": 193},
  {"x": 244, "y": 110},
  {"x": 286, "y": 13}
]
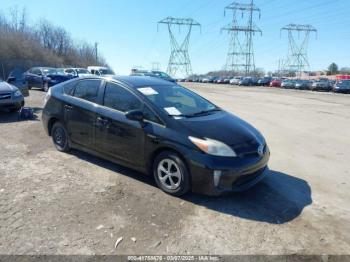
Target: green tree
[{"x": 333, "y": 69}]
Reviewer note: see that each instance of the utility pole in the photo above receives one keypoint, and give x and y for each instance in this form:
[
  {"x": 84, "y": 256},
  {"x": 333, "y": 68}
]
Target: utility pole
[
  {"x": 155, "y": 66},
  {"x": 240, "y": 57},
  {"x": 297, "y": 58},
  {"x": 96, "y": 51},
  {"x": 179, "y": 61}
]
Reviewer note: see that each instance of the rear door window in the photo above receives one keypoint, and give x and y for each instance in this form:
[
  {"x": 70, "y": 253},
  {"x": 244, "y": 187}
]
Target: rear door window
[{"x": 88, "y": 90}]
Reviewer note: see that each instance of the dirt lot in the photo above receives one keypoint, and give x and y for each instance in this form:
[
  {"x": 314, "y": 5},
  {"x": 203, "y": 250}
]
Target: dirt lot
[{"x": 54, "y": 203}]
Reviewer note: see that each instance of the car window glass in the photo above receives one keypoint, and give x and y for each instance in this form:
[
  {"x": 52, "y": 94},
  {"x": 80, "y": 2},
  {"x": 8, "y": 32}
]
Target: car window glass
[
  {"x": 118, "y": 98},
  {"x": 87, "y": 90},
  {"x": 176, "y": 96},
  {"x": 37, "y": 72},
  {"x": 68, "y": 87},
  {"x": 149, "y": 115}
]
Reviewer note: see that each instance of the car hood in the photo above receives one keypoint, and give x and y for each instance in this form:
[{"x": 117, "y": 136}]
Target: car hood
[
  {"x": 5, "y": 87},
  {"x": 224, "y": 127}
]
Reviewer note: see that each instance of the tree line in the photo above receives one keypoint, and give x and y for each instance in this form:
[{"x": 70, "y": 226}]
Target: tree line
[{"x": 23, "y": 45}]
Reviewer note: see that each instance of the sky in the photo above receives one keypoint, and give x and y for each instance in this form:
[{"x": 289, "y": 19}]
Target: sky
[{"x": 127, "y": 32}]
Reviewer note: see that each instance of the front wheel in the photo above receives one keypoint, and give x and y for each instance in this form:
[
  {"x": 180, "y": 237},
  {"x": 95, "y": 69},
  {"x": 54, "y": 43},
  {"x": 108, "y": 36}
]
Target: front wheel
[
  {"x": 171, "y": 174},
  {"x": 60, "y": 137},
  {"x": 28, "y": 85},
  {"x": 46, "y": 86}
]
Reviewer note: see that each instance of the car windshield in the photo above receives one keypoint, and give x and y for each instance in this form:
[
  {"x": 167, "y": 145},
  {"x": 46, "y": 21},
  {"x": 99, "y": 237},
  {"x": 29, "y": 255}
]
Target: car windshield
[
  {"x": 82, "y": 71},
  {"x": 177, "y": 101},
  {"x": 49, "y": 71},
  {"x": 344, "y": 83}
]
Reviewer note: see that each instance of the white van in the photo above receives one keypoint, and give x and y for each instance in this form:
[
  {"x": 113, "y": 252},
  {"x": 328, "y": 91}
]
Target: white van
[{"x": 100, "y": 71}]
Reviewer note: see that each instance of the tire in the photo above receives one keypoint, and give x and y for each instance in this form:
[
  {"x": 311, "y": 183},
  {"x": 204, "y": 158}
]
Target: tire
[
  {"x": 46, "y": 86},
  {"x": 59, "y": 136},
  {"x": 15, "y": 109},
  {"x": 171, "y": 174},
  {"x": 28, "y": 86}
]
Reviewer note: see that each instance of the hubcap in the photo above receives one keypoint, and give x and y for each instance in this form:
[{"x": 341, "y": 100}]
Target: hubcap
[
  {"x": 169, "y": 174},
  {"x": 59, "y": 136}
]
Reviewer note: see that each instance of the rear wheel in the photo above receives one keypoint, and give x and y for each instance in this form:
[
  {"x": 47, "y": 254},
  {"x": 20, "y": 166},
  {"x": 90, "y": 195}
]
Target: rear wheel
[
  {"x": 60, "y": 137},
  {"x": 171, "y": 174}
]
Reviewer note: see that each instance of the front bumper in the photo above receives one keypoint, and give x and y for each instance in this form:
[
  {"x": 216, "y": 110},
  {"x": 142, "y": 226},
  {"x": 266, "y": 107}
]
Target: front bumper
[
  {"x": 212, "y": 175},
  {"x": 16, "y": 102}
]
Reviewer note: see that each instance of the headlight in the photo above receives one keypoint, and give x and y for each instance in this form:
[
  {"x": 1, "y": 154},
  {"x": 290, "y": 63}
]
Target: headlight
[
  {"x": 213, "y": 147},
  {"x": 17, "y": 94}
]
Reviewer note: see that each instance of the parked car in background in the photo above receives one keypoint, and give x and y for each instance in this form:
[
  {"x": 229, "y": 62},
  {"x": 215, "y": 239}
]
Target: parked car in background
[
  {"x": 44, "y": 77},
  {"x": 164, "y": 76},
  {"x": 213, "y": 79},
  {"x": 265, "y": 81},
  {"x": 248, "y": 81},
  {"x": 157, "y": 74},
  {"x": 303, "y": 84},
  {"x": 322, "y": 85},
  {"x": 342, "y": 86},
  {"x": 235, "y": 80},
  {"x": 17, "y": 78},
  {"x": 288, "y": 84},
  {"x": 100, "y": 71},
  {"x": 76, "y": 72},
  {"x": 11, "y": 97},
  {"x": 276, "y": 82},
  {"x": 158, "y": 128},
  {"x": 227, "y": 80},
  {"x": 144, "y": 73},
  {"x": 205, "y": 80},
  {"x": 220, "y": 80}
]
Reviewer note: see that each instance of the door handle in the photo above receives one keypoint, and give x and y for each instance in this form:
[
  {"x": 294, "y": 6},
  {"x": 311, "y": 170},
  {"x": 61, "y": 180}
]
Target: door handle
[
  {"x": 68, "y": 107},
  {"x": 154, "y": 139},
  {"x": 102, "y": 122}
]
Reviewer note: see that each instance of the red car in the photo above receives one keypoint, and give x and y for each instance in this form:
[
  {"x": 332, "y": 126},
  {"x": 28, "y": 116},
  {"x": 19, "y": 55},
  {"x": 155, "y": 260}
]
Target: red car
[{"x": 276, "y": 83}]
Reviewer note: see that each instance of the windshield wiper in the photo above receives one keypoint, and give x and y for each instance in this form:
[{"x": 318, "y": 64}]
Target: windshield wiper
[{"x": 204, "y": 112}]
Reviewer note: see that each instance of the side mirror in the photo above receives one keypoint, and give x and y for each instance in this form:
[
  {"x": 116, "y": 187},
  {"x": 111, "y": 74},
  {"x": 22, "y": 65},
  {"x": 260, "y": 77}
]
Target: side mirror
[
  {"x": 135, "y": 115},
  {"x": 11, "y": 79}
]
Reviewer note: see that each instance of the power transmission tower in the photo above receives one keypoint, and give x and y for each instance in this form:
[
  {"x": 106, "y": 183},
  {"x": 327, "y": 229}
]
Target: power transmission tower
[
  {"x": 240, "y": 57},
  {"x": 297, "y": 58},
  {"x": 179, "y": 61},
  {"x": 155, "y": 66}
]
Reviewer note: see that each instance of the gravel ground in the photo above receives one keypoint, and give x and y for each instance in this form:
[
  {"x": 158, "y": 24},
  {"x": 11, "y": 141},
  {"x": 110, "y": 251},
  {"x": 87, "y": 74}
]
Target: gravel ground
[{"x": 55, "y": 203}]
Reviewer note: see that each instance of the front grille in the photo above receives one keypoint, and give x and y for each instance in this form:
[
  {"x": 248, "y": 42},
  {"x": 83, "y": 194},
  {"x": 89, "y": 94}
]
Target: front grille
[
  {"x": 249, "y": 148},
  {"x": 5, "y": 96}
]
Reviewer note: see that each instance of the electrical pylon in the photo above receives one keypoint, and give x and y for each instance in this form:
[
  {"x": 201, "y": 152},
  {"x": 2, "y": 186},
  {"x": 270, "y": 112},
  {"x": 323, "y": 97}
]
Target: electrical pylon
[
  {"x": 240, "y": 57},
  {"x": 179, "y": 61},
  {"x": 297, "y": 58}
]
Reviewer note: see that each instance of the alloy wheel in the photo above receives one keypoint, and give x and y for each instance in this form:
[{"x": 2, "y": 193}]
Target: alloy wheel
[
  {"x": 59, "y": 137},
  {"x": 169, "y": 174}
]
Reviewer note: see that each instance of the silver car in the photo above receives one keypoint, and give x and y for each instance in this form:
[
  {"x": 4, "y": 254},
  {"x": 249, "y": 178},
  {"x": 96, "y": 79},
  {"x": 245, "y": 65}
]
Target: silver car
[{"x": 10, "y": 97}]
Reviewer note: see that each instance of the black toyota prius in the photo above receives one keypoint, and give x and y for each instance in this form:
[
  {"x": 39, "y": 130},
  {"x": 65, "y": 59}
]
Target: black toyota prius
[{"x": 159, "y": 128}]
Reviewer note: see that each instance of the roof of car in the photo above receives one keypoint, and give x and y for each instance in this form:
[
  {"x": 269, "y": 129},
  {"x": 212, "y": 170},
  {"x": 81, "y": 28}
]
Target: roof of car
[{"x": 137, "y": 81}]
